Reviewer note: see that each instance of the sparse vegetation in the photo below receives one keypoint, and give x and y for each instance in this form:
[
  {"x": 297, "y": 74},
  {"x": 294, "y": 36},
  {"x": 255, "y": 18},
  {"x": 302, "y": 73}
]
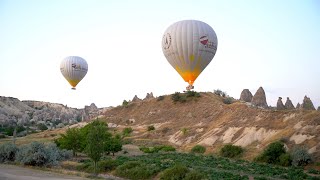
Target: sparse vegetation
[
  {"x": 156, "y": 149},
  {"x": 198, "y": 149},
  {"x": 177, "y": 97},
  {"x": 228, "y": 100},
  {"x": 184, "y": 131},
  {"x": 42, "y": 127},
  {"x": 125, "y": 103},
  {"x": 192, "y": 94},
  {"x": 231, "y": 151},
  {"x": 160, "y": 98},
  {"x": 151, "y": 128},
  {"x": 127, "y": 131}
]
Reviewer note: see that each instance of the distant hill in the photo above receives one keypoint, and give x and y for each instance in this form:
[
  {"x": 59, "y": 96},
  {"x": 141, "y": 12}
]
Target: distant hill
[
  {"x": 32, "y": 113},
  {"x": 208, "y": 121}
]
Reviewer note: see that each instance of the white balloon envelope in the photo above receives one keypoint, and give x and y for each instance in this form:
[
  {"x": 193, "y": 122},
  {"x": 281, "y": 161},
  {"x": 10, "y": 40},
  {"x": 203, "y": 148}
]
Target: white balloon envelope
[
  {"x": 73, "y": 68},
  {"x": 189, "y": 46}
]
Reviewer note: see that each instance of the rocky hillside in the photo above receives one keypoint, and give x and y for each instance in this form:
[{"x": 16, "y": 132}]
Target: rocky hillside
[
  {"x": 210, "y": 121},
  {"x": 53, "y": 115}
]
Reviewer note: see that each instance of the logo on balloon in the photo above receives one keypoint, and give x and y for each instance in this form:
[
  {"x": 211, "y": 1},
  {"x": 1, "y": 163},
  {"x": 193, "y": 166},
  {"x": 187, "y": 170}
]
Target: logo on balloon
[
  {"x": 207, "y": 44},
  {"x": 166, "y": 41},
  {"x": 77, "y": 67},
  {"x": 204, "y": 40}
]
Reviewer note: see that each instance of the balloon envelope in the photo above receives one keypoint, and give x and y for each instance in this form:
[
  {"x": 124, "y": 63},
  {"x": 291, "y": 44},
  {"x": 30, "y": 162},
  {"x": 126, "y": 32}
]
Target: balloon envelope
[
  {"x": 73, "y": 68},
  {"x": 189, "y": 47}
]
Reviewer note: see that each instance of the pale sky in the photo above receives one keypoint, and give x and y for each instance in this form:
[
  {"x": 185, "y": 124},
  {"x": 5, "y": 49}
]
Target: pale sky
[{"x": 273, "y": 44}]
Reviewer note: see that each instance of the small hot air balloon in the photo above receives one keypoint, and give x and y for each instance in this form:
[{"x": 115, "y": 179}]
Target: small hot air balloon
[
  {"x": 73, "y": 68},
  {"x": 189, "y": 47}
]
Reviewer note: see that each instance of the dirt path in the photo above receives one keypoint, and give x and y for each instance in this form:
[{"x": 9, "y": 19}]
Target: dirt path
[{"x": 10, "y": 172}]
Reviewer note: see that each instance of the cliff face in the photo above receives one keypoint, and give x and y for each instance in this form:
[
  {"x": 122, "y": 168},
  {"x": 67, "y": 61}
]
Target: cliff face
[{"x": 208, "y": 121}]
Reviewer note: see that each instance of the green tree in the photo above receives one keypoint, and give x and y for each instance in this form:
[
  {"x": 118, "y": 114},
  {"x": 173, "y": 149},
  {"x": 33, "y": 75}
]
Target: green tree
[
  {"x": 114, "y": 144},
  {"x": 97, "y": 138},
  {"x": 71, "y": 140},
  {"x": 272, "y": 153}
]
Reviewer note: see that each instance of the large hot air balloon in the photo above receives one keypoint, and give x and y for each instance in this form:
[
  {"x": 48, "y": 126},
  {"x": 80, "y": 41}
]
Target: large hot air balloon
[
  {"x": 189, "y": 47},
  {"x": 73, "y": 68}
]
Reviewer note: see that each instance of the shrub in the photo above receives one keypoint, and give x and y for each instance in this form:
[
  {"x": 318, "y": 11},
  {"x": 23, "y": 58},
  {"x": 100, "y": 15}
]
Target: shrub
[
  {"x": 42, "y": 127},
  {"x": 217, "y": 92},
  {"x": 228, "y": 100},
  {"x": 184, "y": 131},
  {"x": 156, "y": 149},
  {"x": 193, "y": 94},
  {"x": 135, "y": 170},
  {"x": 175, "y": 97},
  {"x": 160, "y": 98},
  {"x": 8, "y": 152},
  {"x": 272, "y": 153},
  {"x": 231, "y": 151},
  {"x": 37, "y": 154},
  {"x": 194, "y": 175},
  {"x": 125, "y": 103},
  {"x": 175, "y": 173},
  {"x": 127, "y": 131},
  {"x": 198, "y": 149},
  {"x": 300, "y": 157},
  {"x": 107, "y": 165},
  {"x": 151, "y": 128},
  {"x": 285, "y": 159},
  {"x": 2, "y": 136},
  {"x": 168, "y": 148}
]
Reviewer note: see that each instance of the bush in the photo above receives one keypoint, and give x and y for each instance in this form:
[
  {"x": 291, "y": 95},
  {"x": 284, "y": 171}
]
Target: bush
[
  {"x": 184, "y": 131},
  {"x": 37, "y": 154},
  {"x": 285, "y": 159},
  {"x": 198, "y": 149},
  {"x": 228, "y": 100},
  {"x": 135, "y": 170},
  {"x": 217, "y": 92},
  {"x": 195, "y": 175},
  {"x": 8, "y": 152},
  {"x": 127, "y": 131},
  {"x": 42, "y": 127},
  {"x": 272, "y": 153},
  {"x": 231, "y": 151},
  {"x": 193, "y": 94},
  {"x": 175, "y": 173},
  {"x": 156, "y": 149},
  {"x": 151, "y": 128},
  {"x": 160, "y": 98},
  {"x": 300, "y": 157},
  {"x": 176, "y": 97},
  {"x": 125, "y": 103},
  {"x": 107, "y": 165}
]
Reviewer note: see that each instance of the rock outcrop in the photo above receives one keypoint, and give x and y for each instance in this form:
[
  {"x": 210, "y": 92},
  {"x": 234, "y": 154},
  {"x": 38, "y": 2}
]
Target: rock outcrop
[
  {"x": 318, "y": 108},
  {"x": 149, "y": 96},
  {"x": 259, "y": 99},
  {"x": 307, "y": 104},
  {"x": 246, "y": 95},
  {"x": 29, "y": 113},
  {"x": 136, "y": 99},
  {"x": 280, "y": 105},
  {"x": 298, "y": 106},
  {"x": 288, "y": 104}
]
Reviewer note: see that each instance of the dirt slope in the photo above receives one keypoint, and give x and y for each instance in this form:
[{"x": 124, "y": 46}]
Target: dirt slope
[{"x": 208, "y": 121}]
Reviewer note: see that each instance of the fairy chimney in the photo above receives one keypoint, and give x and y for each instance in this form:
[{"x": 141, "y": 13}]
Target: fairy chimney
[
  {"x": 149, "y": 96},
  {"x": 280, "y": 105},
  {"x": 259, "y": 98},
  {"x": 307, "y": 104},
  {"x": 136, "y": 99},
  {"x": 246, "y": 95},
  {"x": 298, "y": 106},
  {"x": 289, "y": 104}
]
